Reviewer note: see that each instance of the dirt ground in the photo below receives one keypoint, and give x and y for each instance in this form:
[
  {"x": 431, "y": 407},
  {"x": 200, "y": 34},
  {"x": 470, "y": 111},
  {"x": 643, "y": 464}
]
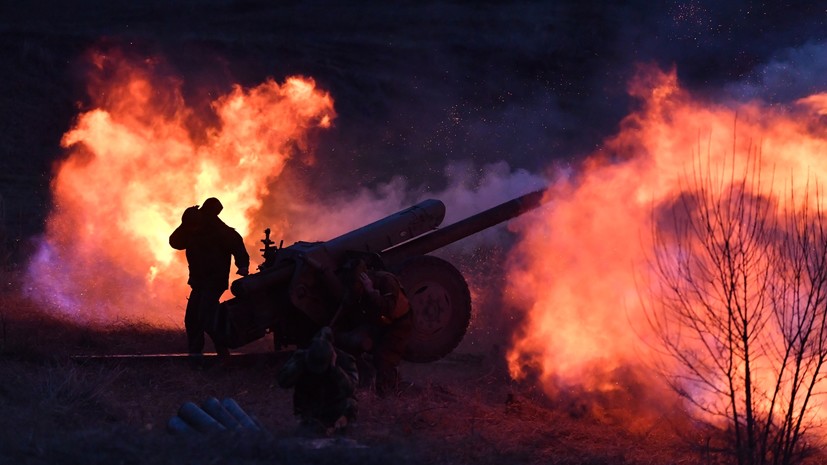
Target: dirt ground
[{"x": 60, "y": 406}]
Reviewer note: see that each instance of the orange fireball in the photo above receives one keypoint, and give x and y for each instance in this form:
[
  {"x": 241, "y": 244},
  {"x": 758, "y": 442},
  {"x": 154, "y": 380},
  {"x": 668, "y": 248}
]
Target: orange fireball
[
  {"x": 134, "y": 163},
  {"x": 581, "y": 263}
]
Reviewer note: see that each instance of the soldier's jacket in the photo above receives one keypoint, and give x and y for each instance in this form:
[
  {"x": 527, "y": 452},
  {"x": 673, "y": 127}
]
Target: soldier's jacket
[
  {"x": 210, "y": 245},
  {"x": 326, "y": 396},
  {"x": 387, "y": 302}
]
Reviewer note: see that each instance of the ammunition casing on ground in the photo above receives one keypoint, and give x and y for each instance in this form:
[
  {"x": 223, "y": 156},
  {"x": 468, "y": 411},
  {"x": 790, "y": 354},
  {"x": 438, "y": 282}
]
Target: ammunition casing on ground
[
  {"x": 211, "y": 418},
  {"x": 233, "y": 408},
  {"x": 178, "y": 426},
  {"x": 200, "y": 420},
  {"x": 213, "y": 407}
]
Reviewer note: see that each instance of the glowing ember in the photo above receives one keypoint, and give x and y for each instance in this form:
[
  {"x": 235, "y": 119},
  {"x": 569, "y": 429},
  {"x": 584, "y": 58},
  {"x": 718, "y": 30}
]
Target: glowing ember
[
  {"x": 579, "y": 265},
  {"x": 134, "y": 163}
]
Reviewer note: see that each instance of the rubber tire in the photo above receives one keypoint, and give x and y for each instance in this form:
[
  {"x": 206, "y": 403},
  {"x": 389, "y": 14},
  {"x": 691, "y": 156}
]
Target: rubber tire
[{"x": 441, "y": 305}]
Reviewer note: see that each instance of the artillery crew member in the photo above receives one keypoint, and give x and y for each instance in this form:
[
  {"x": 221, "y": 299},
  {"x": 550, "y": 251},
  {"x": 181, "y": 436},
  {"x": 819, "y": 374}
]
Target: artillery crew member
[
  {"x": 376, "y": 319},
  {"x": 324, "y": 379},
  {"x": 210, "y": 244}
]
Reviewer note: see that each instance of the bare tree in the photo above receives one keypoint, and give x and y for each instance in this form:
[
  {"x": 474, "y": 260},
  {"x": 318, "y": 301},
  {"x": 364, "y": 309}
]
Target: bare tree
[{"x": 738, "y": 301}]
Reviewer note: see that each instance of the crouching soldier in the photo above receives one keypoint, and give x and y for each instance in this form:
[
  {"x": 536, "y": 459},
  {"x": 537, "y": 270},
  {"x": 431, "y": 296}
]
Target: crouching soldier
[
  {"x": 376, "y": 320},
  {"x": 324, "y": 380}
]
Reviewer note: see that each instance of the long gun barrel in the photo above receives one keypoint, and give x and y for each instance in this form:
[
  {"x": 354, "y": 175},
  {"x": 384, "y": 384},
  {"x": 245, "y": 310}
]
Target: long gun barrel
[
  {"x": 296, "y": 289},
  {"x": 441, "y": 237},
  {"x": 375, "y": 237}
]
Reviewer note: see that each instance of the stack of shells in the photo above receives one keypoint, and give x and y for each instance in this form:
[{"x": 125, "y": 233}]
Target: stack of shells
[{"x": 213, "y": 416}]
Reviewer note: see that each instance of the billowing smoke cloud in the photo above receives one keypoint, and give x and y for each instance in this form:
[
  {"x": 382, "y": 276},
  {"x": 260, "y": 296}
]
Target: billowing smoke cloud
[
  {"x": 580, "y": 266},
  {"x": 790, "y": 75},
  {"x": 469, "y": 189},
  {"x": 133, "y": 164}
]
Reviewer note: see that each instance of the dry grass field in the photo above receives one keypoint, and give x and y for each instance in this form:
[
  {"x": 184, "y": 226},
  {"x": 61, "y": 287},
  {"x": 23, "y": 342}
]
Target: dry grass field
[{"x": 61, "y": 407}]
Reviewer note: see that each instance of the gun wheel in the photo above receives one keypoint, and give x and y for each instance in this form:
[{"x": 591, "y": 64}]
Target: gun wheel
[{"x": 441, "y": 305}]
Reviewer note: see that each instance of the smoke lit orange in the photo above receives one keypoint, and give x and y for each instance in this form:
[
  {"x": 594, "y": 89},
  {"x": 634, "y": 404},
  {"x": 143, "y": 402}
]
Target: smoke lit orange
[
  {"x": 136, "y": 160},
  {"x": 580, "y": 265}
]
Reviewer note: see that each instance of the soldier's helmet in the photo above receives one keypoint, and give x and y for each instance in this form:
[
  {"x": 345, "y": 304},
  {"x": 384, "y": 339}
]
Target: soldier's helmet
[
  {"x": 319, "y": 355},
  {"x": 212, "y": 206},
  {"x": 191, "y": 216}
]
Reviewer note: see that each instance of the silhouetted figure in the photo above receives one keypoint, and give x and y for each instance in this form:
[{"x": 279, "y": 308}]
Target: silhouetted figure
[
  {"x": 210, "y": 244},
  {"x": 324, "y": 379},
  {"x": 375, "y": 319}
]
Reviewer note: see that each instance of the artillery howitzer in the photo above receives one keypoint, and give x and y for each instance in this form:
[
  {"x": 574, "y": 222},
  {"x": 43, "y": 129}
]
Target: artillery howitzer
[{"x": 291, "y": 295}]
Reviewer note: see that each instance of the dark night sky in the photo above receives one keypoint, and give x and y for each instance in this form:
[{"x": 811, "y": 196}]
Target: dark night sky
[{"x": 526, "y": 82}]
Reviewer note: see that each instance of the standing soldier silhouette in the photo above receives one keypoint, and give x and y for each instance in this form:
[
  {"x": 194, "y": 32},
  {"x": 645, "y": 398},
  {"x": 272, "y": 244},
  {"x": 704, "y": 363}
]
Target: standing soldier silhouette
[{"x": 210, "y": 244}]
